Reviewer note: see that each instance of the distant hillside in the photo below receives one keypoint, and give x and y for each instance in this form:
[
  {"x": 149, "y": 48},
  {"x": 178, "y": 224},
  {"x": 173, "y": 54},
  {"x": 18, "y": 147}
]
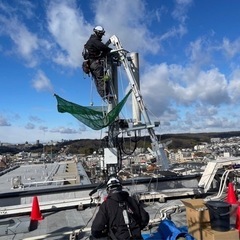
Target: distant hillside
[
  {"x": 189, "y": 140},
  {"x": 88, "y": 146}
]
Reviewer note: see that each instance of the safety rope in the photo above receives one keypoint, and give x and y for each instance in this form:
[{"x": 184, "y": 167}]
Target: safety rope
[
  {"x": 94, "y": 213},
  {"x": 91, "y": 92}
]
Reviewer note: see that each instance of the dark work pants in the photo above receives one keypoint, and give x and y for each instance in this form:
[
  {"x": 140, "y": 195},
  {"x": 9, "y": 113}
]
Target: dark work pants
[{"x": 97, "y": 70}]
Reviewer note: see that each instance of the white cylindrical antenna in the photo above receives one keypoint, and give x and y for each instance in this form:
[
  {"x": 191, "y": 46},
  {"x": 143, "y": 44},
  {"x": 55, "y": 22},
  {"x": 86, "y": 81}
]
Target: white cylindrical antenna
[{"x": 135, "y": 69}]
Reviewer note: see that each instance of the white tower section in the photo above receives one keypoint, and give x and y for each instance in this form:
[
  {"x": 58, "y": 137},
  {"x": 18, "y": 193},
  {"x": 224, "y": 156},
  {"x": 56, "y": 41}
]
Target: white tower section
[{"x": 135, "y": 69}]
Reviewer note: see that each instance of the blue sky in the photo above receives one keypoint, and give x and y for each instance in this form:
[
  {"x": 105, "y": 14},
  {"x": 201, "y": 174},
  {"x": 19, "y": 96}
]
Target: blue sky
[{"x": 189, "y": 58}]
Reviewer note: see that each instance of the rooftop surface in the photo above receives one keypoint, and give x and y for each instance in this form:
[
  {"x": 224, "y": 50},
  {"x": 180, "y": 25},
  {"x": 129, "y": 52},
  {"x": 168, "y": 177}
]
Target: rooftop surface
[
  {"x": 61, "y": 224},
  {"x": 35, "y": 176},
  {"x": 68, "y": 210}
]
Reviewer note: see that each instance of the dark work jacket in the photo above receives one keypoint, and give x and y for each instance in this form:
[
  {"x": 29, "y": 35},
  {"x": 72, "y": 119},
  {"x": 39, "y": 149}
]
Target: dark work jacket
[
  {"x": 110, "y": 217},
  {"x": 96, "y": 48}
]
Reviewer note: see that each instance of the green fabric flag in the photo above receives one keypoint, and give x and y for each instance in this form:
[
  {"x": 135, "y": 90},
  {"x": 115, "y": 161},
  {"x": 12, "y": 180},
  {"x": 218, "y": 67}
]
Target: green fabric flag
[{"x": 93, "y": 117}]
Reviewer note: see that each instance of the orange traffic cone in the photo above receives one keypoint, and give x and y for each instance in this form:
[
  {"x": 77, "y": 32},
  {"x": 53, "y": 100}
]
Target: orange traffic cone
[
  {"x": 231, "y": 195},
  {"x": 237, "y": 226},
  {"x": 35, "y": 213}
]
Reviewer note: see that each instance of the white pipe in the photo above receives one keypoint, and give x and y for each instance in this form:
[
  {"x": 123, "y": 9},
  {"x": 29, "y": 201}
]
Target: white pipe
[{"x": 135, "y": 69}]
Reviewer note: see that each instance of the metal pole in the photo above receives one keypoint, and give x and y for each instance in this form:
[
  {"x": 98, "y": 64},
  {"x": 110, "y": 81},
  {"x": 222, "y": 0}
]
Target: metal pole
[{"x": 134, "y": 64}]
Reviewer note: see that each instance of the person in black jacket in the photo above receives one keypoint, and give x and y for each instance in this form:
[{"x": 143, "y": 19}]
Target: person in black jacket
[
  {"x": 96, "y": 54},
  {"x": 120, "y": 216}
]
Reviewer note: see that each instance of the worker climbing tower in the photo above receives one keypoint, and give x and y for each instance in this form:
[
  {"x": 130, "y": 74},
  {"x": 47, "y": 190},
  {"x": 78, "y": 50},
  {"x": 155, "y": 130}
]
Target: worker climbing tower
[{"x": 109, "y": 117}]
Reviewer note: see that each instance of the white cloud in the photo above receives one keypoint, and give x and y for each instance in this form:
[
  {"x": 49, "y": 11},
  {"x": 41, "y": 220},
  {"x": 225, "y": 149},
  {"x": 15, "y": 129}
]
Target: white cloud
[
  {"x": 42, "y": 83},
  {"x": 159, "y": 12},
  {"x": 35, "y": 119},
  {"x": 199, "y": 51},
  {"x": 64, "y": 130},
  {"x": 155, "y": 82},
  {"x": 129, "y": 21},
  {"x": 231, "y": 48},
  {"x": 167, "y": 87},
  {"x": 70, "y": 31},
  {"x": 181, "y": 8},
  {"x": 174, "y": 32},
  {"x": 4, "y": 121},
  {"x": 203, "y": 110},
  {"x": 26, "y": 43},
  {"x": 30, "y": 126},
  {"x": 234, "y": 87},
  {"x": 208, "y": 87},
  {"x": 43, "y": 128},
  {"x": 26, "y": 8}
]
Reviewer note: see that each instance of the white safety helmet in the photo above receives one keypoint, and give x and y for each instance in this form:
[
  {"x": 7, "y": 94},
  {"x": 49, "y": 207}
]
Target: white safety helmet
[
  {"x": 99, "y": 30},
  {"x": 113, "y": 184}
]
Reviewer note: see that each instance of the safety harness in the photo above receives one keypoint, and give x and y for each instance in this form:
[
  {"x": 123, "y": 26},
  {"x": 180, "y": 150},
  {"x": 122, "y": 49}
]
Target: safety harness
[{"x": 128, "y": 219}]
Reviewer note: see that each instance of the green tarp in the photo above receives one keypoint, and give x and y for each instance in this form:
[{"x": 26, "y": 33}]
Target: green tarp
[{"x": 90, "y": 116}]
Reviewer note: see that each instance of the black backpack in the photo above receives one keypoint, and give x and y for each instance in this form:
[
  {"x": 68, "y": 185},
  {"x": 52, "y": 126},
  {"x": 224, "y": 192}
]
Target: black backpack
[
  {"x": 130, "y": 219},
  {"x": 85, "y": 53},
  {"x": 85, "y": 64},
  {"x": 86, "y": 67}
]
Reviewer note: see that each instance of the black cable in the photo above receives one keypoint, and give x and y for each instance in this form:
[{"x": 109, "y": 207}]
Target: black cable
[
  {"x": 121, "y": 143},
  {"x": 102, "y": 184}
]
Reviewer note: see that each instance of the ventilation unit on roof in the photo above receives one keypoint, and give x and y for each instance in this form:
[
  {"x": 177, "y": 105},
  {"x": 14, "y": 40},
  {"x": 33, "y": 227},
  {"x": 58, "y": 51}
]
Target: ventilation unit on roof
[{"x": 17, "y": 182}]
